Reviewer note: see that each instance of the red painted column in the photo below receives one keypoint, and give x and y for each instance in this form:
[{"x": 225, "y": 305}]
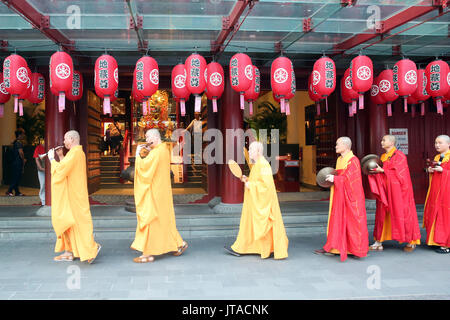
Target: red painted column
[
  {"x": 56, "y": 125},
  {"x": 377, "y": 129},
  {"x": 231, "y": 117}
]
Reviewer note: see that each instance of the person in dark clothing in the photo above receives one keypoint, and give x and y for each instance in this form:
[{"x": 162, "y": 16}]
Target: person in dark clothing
[{"x": 18, "y": 163}]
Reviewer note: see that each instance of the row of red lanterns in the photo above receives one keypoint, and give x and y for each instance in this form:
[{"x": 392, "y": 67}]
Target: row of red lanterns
[{"x": 414, "y": 85}]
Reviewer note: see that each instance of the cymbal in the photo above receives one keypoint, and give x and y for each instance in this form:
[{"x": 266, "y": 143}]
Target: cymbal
[
  {"x": 370, "y": 162},
  {"x": 322, "y": 175}
]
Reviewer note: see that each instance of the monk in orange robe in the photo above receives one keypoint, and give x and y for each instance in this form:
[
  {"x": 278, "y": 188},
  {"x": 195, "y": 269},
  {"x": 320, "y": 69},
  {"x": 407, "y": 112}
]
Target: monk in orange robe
[
  {"x": 71, "y": 215},
  {"x": 156, "y": 231},
  {"x": 396, "y": 214},
  {"x": 261, "y": 229},
  {"x": 347, "y": 222},
  {"x": 436, "y": 216}
]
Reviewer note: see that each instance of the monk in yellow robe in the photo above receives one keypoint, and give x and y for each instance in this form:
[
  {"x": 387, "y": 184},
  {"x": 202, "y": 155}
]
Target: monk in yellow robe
[
  {"x": 261, "y": 229},
  {"x": 436, "y": 216},
  {"x": 71, "y": 215},
  {"x": 156, "y": 231}
]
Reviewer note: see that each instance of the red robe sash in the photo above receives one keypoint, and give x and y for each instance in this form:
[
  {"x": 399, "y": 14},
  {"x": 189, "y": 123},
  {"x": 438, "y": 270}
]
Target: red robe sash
[
  {"x": 394, "y": 193},
  {"x": 347, "y": 228}
]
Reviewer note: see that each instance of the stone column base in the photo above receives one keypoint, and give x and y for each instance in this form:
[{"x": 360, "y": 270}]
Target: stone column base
[{"x": 44, "y": 211}]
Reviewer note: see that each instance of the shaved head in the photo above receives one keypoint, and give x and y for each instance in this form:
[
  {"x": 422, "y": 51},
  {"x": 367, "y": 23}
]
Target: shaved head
[
  {"x": 255, "y": 150},
  {"x": 153, "y": 136},
  {"x": 71, "y": 138},
  {"x": 391, "y": 138},
  {"x": 346, "y": 141},
  {"x": 444, "y": 137}
]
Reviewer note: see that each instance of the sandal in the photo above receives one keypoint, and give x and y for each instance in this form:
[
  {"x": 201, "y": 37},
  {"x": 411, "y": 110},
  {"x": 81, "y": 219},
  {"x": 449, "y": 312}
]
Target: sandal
[
  {"x": 322, "y": 251},
  {"x": 376, "y": 247},
  {"x": 64, "y": 257},
  {"x": 98, "y": 250},
  {"x": 143, "y": 259},
  {"x": 409, "y": 248},
  {"x": 181, "y": 249},
  {"x": 443, "y": 250}
]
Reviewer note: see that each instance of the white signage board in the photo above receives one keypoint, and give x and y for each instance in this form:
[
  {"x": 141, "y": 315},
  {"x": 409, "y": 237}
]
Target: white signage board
[{"x": 401, "y": 136}]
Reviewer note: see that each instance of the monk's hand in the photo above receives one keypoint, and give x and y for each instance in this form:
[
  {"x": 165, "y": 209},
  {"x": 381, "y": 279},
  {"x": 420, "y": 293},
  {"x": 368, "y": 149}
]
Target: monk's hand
[
  {"x": 60, "y": 153},
  {"x": 244, "y": 179},
  {"x": 378, "y": 169},
  {"x": 430, "y": 169},
  {"x": 438, "y": 169},
  {"x": 330, "y": 178},
  {"x": 51, "y": 154},
  {"x": 247, "y": 184}
]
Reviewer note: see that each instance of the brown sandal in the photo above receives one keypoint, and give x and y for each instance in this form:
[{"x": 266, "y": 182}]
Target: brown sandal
[
  {"x": 409, "y": 248},
  {"x": 64, "y": 257},
  {"x": 181, "y": 249},
  {"x": 143, "y": 259}
]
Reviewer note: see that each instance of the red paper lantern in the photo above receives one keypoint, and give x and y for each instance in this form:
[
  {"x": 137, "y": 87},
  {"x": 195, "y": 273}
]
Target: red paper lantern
[
  {"x": 421, "y": 94},
  {"x": 405, "y": 79},
  {"x": 438, "y": 81},
  {"x": 241, "y": 74},
  {"x": 137, "y": 96},
  {"x": 106, "y": 80},
  {"x": 386, "y": 86},
  {"x": 37, "y": 88},
  {"x": 179, "y": 89},
  {"x": 291, "y": 93},
  {"x": 281, "y": 79},
  {"x": 253, "y": 92},
  {"x": 61, "y": 75},
  {"x": 77, "y": 87},
  {"x": 362, "y": 76},
  {"x": 195, "y": 66},
  {"x": 348, "y": 93},
  {"x": 26, "y": 94},
  {"x": 15, "y": 77},
  {"x": 375, "y": 95},
  {"x": 4, "y": 96},
  {"x": 324, "y": 77},
  {"x": 313, "y": 95},
  {"x": 215, "y": 83}
]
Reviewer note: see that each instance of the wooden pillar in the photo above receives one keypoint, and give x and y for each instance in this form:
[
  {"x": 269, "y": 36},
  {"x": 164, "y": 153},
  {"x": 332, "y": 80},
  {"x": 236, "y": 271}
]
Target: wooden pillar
[
  {"x": 213, "y": 169},
  {"x": 378, "y": 127},
  {"x": 231, "y": 117},
  {"x": 56, "y": 125}
]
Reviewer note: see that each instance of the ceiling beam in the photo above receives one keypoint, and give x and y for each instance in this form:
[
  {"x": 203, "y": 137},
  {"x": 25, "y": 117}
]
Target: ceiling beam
[
  {"x": 385, "y": 26},
  {"x": 40, "y": 22},
  {"x": 229, "y": 24}
]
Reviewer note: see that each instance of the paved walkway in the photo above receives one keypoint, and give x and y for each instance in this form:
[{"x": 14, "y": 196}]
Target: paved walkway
[{"x": 205, "y": 271}]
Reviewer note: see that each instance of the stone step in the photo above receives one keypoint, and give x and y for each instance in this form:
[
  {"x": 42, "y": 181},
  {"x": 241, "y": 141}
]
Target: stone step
[
  {"x": 201, "y": 220},
  {"x": 187, "y": 232}
]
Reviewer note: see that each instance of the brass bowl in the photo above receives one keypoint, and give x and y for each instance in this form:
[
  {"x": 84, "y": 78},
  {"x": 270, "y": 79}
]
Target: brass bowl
[
  {"x": 369, "y": 163},
  {"x": 322, "y": 175}
]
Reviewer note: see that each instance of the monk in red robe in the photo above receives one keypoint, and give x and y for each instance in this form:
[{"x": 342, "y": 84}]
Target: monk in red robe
[
  {"x": 396, "y": 214},
  {"x": 347, "y": 222},
  {"x": 436, "y": 216}
]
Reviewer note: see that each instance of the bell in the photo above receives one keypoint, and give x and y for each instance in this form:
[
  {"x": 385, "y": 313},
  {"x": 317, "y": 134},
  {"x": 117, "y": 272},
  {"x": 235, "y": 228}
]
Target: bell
[
  {"x": 322, "y": 175},
  {"x": 369, "y": 163}
]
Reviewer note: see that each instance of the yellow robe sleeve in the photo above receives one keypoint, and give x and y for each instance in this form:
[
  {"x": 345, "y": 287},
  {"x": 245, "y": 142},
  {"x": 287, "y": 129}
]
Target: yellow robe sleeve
[
  {"x": 145, "y": 169},
  {"x": 261, "y": 194},
  {"x": 62, "y": 216}
]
